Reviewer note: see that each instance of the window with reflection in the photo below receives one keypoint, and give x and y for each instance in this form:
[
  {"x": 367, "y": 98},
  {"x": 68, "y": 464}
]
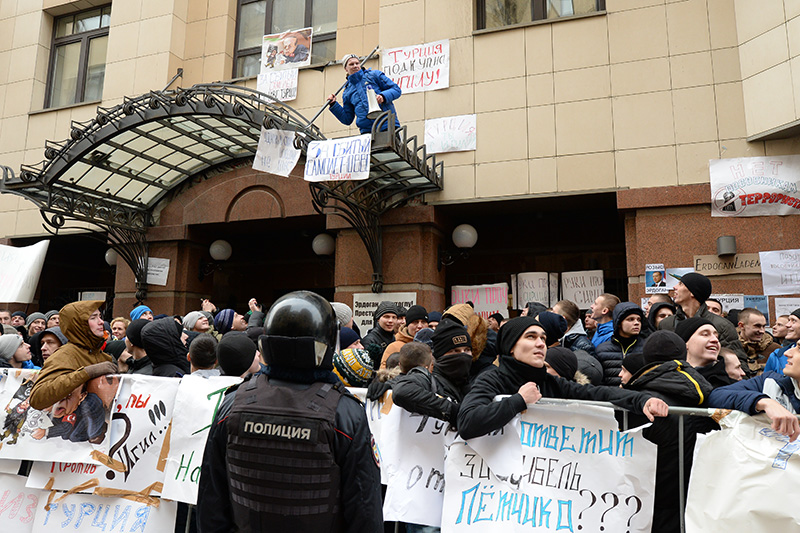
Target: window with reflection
[
  {"x": 78, "y": 57},
  {"x": 257, "y": 18},
  {"x": 500, "y": 13}
]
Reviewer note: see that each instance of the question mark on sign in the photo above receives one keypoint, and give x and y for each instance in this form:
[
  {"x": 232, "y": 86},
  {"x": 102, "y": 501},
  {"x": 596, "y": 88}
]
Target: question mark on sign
[
  {"x": 638, "y": 507},
  {"x": 616, "y": 502},
  {"x": 117, "y": 445},
  {"x": 594, "y": 500}
]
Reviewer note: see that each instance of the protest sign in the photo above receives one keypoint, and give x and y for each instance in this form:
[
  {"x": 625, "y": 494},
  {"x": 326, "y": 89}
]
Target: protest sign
[
  {"x": 582, "y": 287},
  {"x": 553, "y": 468},
  {"x": 196, "y": 403},
  {"x": 730, "y": 301},
  {"x": 486, "y": 299},
  {"x": 276, "y": 153},
  {"x": 19, "y": 271},
  {"x": 157, "y": 271},
  {"x": 338, "y": 159},
  {"x": 287, "y": 50},
  {"x": 712, "y": 265},
  {"x": 532, "y": 287},
  {"x": 279, "y": 84},
  {"x": 785, "y": 306},
  {"x": 747, "y": 461},
  {"x": 451, "y": 134},
  {"x": 553, "y": 289},
  {"x": 412, "y": 456},
  {"x": 139, "y": 427},
  {"x": 780, "y": 272},
  {"x": 673, "y": 275},
  {"x": 755, "y": 186},
  {"x": 421, "y": 67},
  {"x": 654, "y": 281},
  {"x": 89, "y": 513},
  {"x": 377, "y": 412},
  {"x": 759, "y": 302},
  {"x": 365, "y": 304},
  {"x": 17, "y": 504},
  {"x": 9, "y": 466},
  {"x": 72, "y": 429}
]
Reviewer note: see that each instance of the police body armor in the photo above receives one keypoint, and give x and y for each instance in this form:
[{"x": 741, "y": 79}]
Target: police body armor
[{"x": 283, "y": 476}]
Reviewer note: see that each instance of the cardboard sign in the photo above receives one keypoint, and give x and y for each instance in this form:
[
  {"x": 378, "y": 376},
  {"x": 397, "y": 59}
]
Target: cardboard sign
[
  {"x": 451, "y": 134},
  {"x": 365, "y": 304},
  {"x": 532, "y": 287},
  {"x": 582, "y": 287},
  {"x": 755, "y": 186},
  {"x": 88, "y": 513},
  {"x": 711, "y": 265},
  {"x": 276, "y": 153},
  {"x": 486, "y": 299},
  {"x": 347, "y": 158},
  {"x": 19, "y": 271},
  {"x": 279, "y": 84},
  {"x": 417, "y": 68},
  {"x": 780, "y": 272},
  {"x": 288, "y": 50}
]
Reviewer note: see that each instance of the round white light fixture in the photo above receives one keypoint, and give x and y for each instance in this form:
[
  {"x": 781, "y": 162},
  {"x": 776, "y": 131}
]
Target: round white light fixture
[
  {"x": 465, "y": 236},
  {"x": 220, "y": 250},
  {"x": 323, "y": 244},
  {"x": 111, "y": 257}
]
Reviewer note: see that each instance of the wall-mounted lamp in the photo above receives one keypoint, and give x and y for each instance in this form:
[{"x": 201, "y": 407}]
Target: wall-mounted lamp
[
  {"x": 464, "y": 237},
  {"x": 111, "y": 257},
  {"x": 323, "y": 244},
  {"x": 220, "y": 250},
  {"x": 726, "y": 245}
]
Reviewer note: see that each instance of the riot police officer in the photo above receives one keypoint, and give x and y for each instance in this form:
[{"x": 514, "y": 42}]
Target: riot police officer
[{"x": 290, "y": 448}]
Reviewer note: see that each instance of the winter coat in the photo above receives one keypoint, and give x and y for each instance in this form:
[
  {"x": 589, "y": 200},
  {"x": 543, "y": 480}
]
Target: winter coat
[
  {"x": 65, "y": 370},
  {"x": 354, "y": 99},
  {"x": 603, "y": 333},
  {"x": 743, "y": 395},
  {"x": 381, "y": 337},
  {"x": 162, "y": 342},
  {"x": 675, "y": 382},
  {"x": 716, "y": 374},
  {"x": 428, "y": 393},
  {"x": 611, "y": 352},
  {"x": 777, "y": 359},
  {"x": 400, "y": 339},
  {"x": 758, "y": 352}
]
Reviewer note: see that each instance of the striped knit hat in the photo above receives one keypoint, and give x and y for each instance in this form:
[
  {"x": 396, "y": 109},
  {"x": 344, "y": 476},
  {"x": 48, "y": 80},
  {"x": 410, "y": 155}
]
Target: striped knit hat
[{"x": 353, "y": 366}]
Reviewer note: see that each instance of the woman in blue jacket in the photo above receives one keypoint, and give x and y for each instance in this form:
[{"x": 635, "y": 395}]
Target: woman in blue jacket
[{"x": 354, "y": 100}]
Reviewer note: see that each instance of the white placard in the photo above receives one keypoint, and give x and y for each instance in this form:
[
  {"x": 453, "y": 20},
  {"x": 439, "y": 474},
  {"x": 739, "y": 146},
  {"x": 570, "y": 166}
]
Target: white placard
[
  {"x": 553, "y": 289},
  {"x": 553, "y": 468},
  {"x": 780, "y": 272},
  {"x": 9, "y": 466},
  {"x": 730, "y": 301},
  {"x": 582, "y": 287},
  {"x": 655, "y": 279},
  {"x": 421, "y": 67},
  {"x": 288, "y": 50},
  {"x": 377, "y": 413},
  {"x": 92, "y": 295},
  {"x": 755, "y": 186},
  {"x": 365, "y": 304},
  {"x": 19, "y": 271},
  {"x": 88, "y": 513},
  {"x": 451, "y": 134},
  {"x": 197, "y": 402},
  {"x": 532, "y": 287},
  {"x": 276, "y": 153},
  {"x": 486, "y": 299},
  {"x": 279, "y": 84},
  {"x": 18, "y": 504},
  {"x": 157, "y": 271},
  {"x": 338, "y": 159},
  {"x": 785, "y": 306}
]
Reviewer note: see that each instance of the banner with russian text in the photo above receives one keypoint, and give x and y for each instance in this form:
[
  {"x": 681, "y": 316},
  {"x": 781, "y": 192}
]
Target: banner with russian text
[
  {"x": 755, "y": 186},
  {"x": 276, "y": 153},
  {"x": 365, "y": 304},
  {"x": 19, "y": 271},
  {"x": 417, "y": 68},
  {"x": 279, "y": 84},
  {"x": 17, "y": 504},
  {"x": 780, "y": 272},
  {"x": 338, "y": 159},
  {"x": 88, "y": 513},
  {"x": 486, "y": 299},
  {"x": 532, "y": 287},
  {"x": 451, "y": 134},
  {"x": 582, "y": 287},
  {"x": 553, "y": 468}
]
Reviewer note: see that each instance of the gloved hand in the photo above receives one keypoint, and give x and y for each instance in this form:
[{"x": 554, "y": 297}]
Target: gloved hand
[{"x": 101, "y": 369}]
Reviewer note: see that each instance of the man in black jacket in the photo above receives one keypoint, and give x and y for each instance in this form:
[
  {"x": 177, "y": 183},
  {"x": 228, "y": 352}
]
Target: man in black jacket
[
  {"x": 626, "y": 339},
  {"x": 382, "y": 333}
]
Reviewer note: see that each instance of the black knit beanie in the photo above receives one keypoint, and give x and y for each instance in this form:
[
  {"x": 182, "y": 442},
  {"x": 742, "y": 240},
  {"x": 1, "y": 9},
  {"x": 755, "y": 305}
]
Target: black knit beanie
[
  {"x": 512, "y": 330},
  {"x": 698, "y": 285},
  {"x": 416, "y": 312},
  {"x": 235, "y": 353},
  {"x": 664, "y": 345},
  {"x": 449, "y": 335},
  {"x": 134, "y": 331},
  {"x": 686, "y": 328},
  {"x": 562, "y": 360},
  {"x": 554, "y": 326}
]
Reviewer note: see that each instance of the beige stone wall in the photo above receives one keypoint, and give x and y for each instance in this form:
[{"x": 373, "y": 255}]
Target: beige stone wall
[{"x": 641, "y": 96}]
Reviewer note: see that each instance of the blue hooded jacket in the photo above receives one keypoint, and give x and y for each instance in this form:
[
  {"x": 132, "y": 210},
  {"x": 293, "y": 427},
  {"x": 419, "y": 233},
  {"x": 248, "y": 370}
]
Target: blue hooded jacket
[{"x": 354, "y": 100}]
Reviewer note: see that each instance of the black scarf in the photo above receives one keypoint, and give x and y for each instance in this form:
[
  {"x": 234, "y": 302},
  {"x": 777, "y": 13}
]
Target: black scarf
[
  {"x": 455, "y": 367},
  {"x": 520, "y": 373}
]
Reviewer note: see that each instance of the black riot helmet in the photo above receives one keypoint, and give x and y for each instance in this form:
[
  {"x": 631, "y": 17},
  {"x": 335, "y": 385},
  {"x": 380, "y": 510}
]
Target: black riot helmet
[{"x": 300, "y": 331}]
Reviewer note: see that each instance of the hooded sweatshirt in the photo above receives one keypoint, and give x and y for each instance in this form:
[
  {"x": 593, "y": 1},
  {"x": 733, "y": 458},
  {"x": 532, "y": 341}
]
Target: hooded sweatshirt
[
  {"x": 65, "y": 370},
  {"x": 162, "y": 342},
  {"x": 611, "y": 352}
]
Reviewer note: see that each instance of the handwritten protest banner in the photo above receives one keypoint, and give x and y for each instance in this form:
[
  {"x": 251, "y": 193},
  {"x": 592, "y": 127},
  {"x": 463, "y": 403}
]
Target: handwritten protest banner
[
  {"x": 532, "y": 287},
  {"x": 196, "y": 403},
  {"x": 451, "y": 134},
  {"x": 730, "y": 301},
  {"x": 157, "y": 271},
  {"x": 582, "y": 287},
  {"x": 19, "y": 271},
  {"x": 785, "y": 306},
  {"x": 338, "y": 159},
  {"x": 17, "y": 504},
  {"x": 747, "y": 462},
  {"x": 288, "y": 50},
  {"x": 377, "y": 412},
  {"x": 279, "y": 84},
  {"x": 365, "y": 304},
  {"x": 554, "y": 468},
  {"x": 139, "y": 427},
  {"x": 72, "y": 429},
  {"x": 553, "y": 288},
  {"x": 755, "y": 186},
  {"x": 417, "y": 68},
  {"x": 89, "y": 513},
  {"x": 486, "y": 299},
  {"x": 780, "y": 272},
  {"x": 276, "y": 153}
]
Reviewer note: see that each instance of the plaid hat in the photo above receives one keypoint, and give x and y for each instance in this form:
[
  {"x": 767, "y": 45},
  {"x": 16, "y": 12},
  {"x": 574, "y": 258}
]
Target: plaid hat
[
  {"x": 686, "y": 328},
  {"x": 698, "y": 285},
  {"x": 34, "y": 316},
  {"x": 223, "y": 322},
  {"x": 449, "y": 335},
  {"x": 347, "y": 337},
  {"x": 9, "y": 345},
  {"x": 235, "y": 353},
  {"x": 343, "y": 312},
  {"x": 664, "y": 345},
  {"x": 562, "y": 360},
  {"x": 416, "y": 312},
  {"x": 353, "y": 366},
  {"x": 191, "y": 319}
]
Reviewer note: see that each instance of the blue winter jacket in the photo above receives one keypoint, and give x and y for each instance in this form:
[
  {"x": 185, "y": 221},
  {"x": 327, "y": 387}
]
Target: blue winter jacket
[
  {"x": 744, "y": 395},
  {"x": 777, "y": 360},
  {"x": 354, "y": 100},
  {"x": 603, "y": 333}
]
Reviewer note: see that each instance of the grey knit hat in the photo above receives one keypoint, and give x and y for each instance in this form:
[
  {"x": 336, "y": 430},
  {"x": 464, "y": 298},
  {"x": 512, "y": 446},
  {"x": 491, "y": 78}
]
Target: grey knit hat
[
  {"x": 35, "y": 316},
  {"x": 48, "y": 315},
  {"x": 9, "y": 345},
  {"x": 343, "y": 313},
  {"x": 191, "y": 319}
]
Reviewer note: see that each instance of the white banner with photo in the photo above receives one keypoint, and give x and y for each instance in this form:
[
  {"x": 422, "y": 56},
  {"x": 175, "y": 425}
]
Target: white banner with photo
[
  {"x": 197, "y": 401},
  {"x": 755, "y": 186},
  {"x": 582, "y": 287},
  {"x": 486, "y": 299},
  {"x": 139, "y": 427},
  {"x": 279, "y": 84},
  {"x": 347, "y": 158},
  {"x": 420, "y": 67},
  {"x": 276, "y": 153},
  {"x": 554, "y": 468},
  {"x": 88, "y": 513},
  {"x": 288, "y": 50},
  {"x": 20, "y": 269},
  {"x": 451, "y": 134},
  {"x": 365, "y": 304},
  {"x": 780, "y": 272},
  {"x": 73, "y": 429}
]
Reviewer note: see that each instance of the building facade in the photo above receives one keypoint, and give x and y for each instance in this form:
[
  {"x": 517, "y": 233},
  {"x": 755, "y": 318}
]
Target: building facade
[{"x": 596, "y": 121}]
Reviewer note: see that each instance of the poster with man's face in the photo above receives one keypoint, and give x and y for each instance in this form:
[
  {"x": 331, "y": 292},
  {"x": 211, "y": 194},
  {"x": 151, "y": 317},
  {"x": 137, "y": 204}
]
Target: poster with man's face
[
  {"x": 290, "y": 49},
  {"x": 655, "y": 279},
  {"x": 69, "y": 430}
]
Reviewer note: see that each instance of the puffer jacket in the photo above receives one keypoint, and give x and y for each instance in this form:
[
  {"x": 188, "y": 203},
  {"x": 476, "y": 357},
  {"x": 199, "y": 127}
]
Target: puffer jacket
[
  {"x": 354, "y": 100},
  {"x": 611, "y": 352}
]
